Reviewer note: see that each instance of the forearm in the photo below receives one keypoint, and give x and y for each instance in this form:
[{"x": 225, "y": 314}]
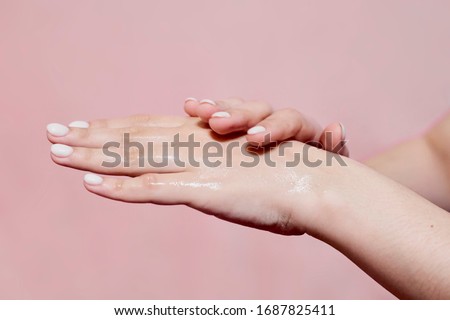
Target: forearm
[
  {"x": 394, "y": 235},
  {"x": 421, "y": 164},
  {"x": 415, "y": 165}
]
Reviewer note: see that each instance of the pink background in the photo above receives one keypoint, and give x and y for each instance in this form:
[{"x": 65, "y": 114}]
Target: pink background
[{"x": 381, "y": 67}]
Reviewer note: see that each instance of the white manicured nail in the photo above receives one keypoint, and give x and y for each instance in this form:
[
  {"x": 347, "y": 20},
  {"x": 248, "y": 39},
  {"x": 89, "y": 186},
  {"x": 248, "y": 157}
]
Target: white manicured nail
[
  {"x": 79, "y": 124},
  {"x": 61, "y": 150},
  {"x": 256, "y": 129},
  {"x": 208, "y": 101},
  {"x": 221, "y": 114},
  {"x": 190, "y": 99},
  {"x": 343, "y": 131},
  {"x": 57, "y": 130},
  {"x": 93, "y": 179}
]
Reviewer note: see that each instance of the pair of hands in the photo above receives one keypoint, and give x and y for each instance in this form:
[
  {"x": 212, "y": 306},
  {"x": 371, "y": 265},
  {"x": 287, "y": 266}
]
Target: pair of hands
[
  {"x": 271, "y": 195},
  {"x": 392, "y": 233}
]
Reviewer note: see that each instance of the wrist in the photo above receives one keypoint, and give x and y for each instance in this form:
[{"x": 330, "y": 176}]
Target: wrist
[
  {"x": 314, "y": 194},
  {"x": 341, "y": 196}
]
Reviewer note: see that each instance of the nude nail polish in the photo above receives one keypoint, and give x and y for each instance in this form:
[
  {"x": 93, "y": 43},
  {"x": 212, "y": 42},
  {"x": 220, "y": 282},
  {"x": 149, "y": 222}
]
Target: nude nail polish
[
  {"x": 61, "y": 150},
  {"x": 208, "y": 101},
  {"x": 93, "y": 179},
  {"x": 57, "y": 130},
  {"x": 190, "y": 99},
  {"x": 221, "y": 114},
  {"x": 256, "y": 129},
  {"x": 79, "y": 124}
]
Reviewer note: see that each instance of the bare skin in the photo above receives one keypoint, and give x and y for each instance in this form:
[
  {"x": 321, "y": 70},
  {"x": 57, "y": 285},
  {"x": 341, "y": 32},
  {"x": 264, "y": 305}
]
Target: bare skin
[
  {"x": 427, "y": 172},
  {"x": 395, "y": 235},
  {"x": 237, "y": 115},
  {"x": 432, "y": 162}
]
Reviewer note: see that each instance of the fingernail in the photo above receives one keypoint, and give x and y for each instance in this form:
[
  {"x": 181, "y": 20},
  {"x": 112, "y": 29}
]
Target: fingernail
[
  {"x": 61, "y": 150},
  {"x": 208, "y": 101},
  {"x": 221, "y": 114},
  {"x": 79, "y": 124},
  {"x": 343, "y": 131},
  {"x": 57, "y": 130},
  {"x": 93, "y": 179},
  {"x": 256, "y": 129},
  {"x": 190, "y": 99}
]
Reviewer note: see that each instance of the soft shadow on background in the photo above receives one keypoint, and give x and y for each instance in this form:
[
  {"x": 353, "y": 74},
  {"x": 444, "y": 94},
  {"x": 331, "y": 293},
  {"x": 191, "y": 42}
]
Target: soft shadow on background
[{"x": 380, "y": 67}]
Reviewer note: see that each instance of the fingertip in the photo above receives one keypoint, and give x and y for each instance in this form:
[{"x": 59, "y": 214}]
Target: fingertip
[
  {"x": 55, "y": 159},
  {"x": 57, "y": 129},
  {"x": 256, "y": 135},
  {"x": 256, "y": 130},
  {"x": 91, "y": 179},
  {"x": 190, "y": 99},
  {"x": 50, "y": 138},
  {"x": 254, "y": 139},
  {"x": 259, "y": 135},
  {"x": 221, "y": 114},
  {"x": 345, "y": 150},
  {"x": 79, "y": 124},
  {"x": 220, "y": 122},
  {"x": 190, "y": 106},
  {"x": 343, "y": 131},
  {"x": 334, "y": 136},
  {"x": 61, "y": 150},
  {"x": 338, "y": 131},
  {"x": 208, "y": 101},
  {"x": 221, "y": 125},
  {"x": 224, "y": 122},
  {"x": 61, "y": 161}
]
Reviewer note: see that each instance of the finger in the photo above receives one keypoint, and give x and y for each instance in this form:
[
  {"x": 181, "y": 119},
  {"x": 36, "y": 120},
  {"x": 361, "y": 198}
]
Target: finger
[
  {"x": 131, "y": 121},
  {"x": 139, "y": 120},
  {"x": 97, "y": 137},
  {"x": 168, "y": 189},
  {"x": 191, "y": 106},
  {"x": 240, "y": 117},
  {"x": 282, "y": 125},
  {"x": 333, "y": 139},
  {"x": 202, "y": 108},
  {"x": 114, "y": 161},
  {"x": 206, "y": 107}
]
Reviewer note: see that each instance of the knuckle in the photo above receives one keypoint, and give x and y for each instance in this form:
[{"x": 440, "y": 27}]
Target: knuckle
[
  {"x": 290, "y": 110},
  {"x": 118, "y": 186},
  {"x": 291, "y": 113},
  {"x": 141, "y": 118},
  {"x": 135, "y": 157},
  {"x": 262, "y": 105},
  {"x": 87, "y": 155},
  {"x": 238, "y": 100},
  {"x": 134, "y": 133},
  {"x": 84, "y": 134},
  {"x": 97, "y": 123},
  {"x": 150, "y": 181}
]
